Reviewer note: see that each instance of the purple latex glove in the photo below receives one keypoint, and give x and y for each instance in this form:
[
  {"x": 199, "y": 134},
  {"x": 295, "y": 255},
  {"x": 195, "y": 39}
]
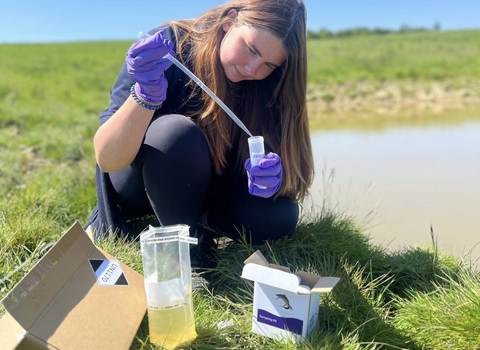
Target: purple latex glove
[
  {"x": 268, "y": 173},
  {"x": 146, "y": 65}
]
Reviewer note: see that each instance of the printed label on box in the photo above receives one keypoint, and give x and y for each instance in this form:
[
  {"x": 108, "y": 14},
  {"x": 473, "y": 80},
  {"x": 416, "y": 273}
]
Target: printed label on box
[
  {"x": 293, "y": 325},
  {"x": 108, "y": 272}
]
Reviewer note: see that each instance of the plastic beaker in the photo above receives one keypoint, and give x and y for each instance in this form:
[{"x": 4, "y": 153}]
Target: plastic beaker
[{"x": 168, "y": 284}]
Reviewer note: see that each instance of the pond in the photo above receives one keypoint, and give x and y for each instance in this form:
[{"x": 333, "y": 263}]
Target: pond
[{"x": 403, "y": 182}]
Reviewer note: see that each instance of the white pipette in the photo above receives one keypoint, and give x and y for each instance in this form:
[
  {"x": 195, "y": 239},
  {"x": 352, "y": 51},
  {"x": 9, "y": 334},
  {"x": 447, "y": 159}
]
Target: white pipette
[{"x": 208, "y": 91}]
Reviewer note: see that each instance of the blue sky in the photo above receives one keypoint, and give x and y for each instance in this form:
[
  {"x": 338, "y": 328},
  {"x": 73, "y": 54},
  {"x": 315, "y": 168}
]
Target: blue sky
[{"x": 60, "y": 21}]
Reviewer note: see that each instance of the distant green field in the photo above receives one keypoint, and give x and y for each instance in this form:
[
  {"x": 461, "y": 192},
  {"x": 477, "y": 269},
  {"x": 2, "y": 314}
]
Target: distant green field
[
  {"x": 422, "y": 56},
  {"x": 416, "y": 55},
  {"x": 72, "y": 72}
]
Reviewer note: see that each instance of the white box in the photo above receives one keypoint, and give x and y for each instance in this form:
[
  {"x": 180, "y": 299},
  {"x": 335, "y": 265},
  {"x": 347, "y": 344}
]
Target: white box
[{"x": 285, "y": 305}]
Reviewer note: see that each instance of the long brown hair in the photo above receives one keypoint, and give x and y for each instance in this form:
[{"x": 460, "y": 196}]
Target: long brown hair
[{"x": 274, "y": 107}]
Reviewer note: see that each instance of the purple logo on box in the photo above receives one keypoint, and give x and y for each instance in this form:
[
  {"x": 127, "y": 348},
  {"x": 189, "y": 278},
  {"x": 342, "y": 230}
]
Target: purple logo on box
[{"x": 293, "y": 325}]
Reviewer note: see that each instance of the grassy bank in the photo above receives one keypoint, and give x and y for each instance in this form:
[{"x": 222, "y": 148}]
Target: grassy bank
[
  {"x": 50, "y": 98},
  {"x": 436, "y": 72}
]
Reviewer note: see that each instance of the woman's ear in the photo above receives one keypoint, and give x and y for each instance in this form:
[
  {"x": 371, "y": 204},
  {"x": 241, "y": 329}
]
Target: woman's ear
[{"x": 232, "y": 14}]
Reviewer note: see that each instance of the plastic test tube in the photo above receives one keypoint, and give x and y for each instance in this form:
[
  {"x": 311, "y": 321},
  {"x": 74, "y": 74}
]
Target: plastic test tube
[{"x": 257, "y": 151}]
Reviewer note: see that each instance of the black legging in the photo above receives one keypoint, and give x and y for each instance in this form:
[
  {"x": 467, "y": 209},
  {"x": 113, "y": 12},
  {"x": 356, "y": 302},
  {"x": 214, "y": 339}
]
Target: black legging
[{"x": 172, "y": 177}]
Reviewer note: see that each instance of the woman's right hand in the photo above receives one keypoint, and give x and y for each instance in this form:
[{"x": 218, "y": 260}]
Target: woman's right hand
[
  {"x": 146, "y": 65},
  {"x": 118, "y": 140}
]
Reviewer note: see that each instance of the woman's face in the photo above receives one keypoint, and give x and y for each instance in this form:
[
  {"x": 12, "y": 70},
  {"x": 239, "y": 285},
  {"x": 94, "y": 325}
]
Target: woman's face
[{"x": 249, "y": 53}]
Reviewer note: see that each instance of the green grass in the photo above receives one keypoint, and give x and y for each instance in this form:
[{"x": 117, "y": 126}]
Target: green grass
[
  {"x": 445, "y": 318},
  {"x": 414, "y": 298},
  {"x": 423, "y": 56}
]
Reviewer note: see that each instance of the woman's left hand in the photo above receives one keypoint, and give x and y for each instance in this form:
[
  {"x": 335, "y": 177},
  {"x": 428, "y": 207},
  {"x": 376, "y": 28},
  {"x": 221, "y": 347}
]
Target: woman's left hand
[{"x": 265, "y": 179}]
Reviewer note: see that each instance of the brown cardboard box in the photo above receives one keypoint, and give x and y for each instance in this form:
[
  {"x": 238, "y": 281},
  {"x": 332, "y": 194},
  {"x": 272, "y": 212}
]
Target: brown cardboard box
[{"x": 75, "y": 297}]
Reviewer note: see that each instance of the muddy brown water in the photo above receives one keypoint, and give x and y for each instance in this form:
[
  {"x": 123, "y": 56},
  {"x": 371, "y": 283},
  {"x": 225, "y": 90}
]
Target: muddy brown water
[{"x": 401, "y": 183}]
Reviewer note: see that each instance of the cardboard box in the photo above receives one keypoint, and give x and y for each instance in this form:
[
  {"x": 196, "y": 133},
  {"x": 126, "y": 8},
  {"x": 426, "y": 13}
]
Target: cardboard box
[
  {"x": 285, "y": 305},
  {"x": 75, "y": 297}
]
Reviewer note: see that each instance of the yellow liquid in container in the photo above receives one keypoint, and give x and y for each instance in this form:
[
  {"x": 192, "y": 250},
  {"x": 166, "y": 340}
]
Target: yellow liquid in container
[{"x": 171, "y": 327}]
